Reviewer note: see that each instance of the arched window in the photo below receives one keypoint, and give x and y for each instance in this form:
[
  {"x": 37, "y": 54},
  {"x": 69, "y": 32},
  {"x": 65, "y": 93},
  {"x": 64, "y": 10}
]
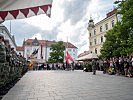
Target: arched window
[
  {"x": 95, "y": 32},
  {"x": 95, "y": 41},
  {"x": 113, "y": 23},
  {"x": 95, "y": 50},
  {"x": 90, "y": 34},
  {"x": 106, "y": 26},
  {"x": 101, "y": 38},
  {"x": 100, "y": 28}
]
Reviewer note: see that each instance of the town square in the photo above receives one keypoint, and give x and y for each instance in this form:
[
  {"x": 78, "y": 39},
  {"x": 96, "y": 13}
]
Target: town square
[{"x": 66, "y": 50}]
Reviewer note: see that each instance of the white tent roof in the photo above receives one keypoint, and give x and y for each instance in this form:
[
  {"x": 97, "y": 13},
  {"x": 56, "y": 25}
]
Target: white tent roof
[
  {"x": 19, "y": 9},
  {"x": 37, "y": 60},
  {"x": 87, "y": 57}
]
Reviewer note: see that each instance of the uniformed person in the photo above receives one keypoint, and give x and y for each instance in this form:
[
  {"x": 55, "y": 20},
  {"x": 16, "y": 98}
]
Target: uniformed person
[
  {"x": 94, "y": 66},
  {"x": 8, "y": 68},
  {"x": 3, "y": 76}
]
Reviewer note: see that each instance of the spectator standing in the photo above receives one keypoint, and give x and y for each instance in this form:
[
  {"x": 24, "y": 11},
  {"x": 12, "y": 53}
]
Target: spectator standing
[
  {"x": 53, "y": 66},
  {"x": 104, "y": 66},
  {"x": 48, "y": 67},
  {"x": 132, "y": 63},
  {"x": 101, "y": 65},
  {"x": 117, "y": 66},
  {"x": 125, "y": 66},
  {"x": 57, "y": 66},
  {"x": 97, "y": 64}
]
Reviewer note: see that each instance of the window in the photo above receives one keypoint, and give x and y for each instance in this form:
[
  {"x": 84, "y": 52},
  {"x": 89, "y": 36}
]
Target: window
[
  {"x": 106, "y": 26},
  {"x": 100, "y": 28},
  {"x": 90, "y": 34},
  {"x": 35, "y": 44},
  {"x": 28, "y": 56},
  {"x": 95, "y": 41},
  {"x": 113, "y": 23},
  {"x": 28, "y": 50},
  {"x": 90, "y": 43},
  {"x": 95, "y": 50},
  {"x": 95, "y": 32},
  {"x": 73, "y": 50},
  {"x": 69, "y": 49},
  {"x": 101, "y": 38},
  {"x": 28, "y": 43}
]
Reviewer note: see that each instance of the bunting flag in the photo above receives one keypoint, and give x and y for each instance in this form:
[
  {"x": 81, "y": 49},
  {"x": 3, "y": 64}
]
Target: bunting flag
[
  {"x": 69, "y": 56},
  {"x": 67, "y": 59},
  {"x": 19, "y": 9}
]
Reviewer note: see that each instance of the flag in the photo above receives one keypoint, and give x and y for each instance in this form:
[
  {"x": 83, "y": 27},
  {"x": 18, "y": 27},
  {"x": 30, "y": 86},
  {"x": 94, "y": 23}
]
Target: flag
[
  {"x": 67, "y": 59},
  {"x": 69, "y": 56},
  {"x": 19, "y": 9},
  {"x": 34, "y": 54}
]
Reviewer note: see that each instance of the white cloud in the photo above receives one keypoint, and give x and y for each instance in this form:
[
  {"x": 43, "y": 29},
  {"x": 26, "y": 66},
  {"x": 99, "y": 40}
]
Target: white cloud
[
  {"x": 46, "y": 23},
  {"x": 38, "y": 36},
  {"x": 69, "y": 18}
]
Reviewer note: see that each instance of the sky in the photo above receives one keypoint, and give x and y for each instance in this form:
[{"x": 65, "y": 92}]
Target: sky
[{"x": 68, "y": 22}]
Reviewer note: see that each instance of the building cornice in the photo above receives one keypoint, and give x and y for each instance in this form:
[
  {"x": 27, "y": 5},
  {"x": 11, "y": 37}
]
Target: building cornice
[
  {"x": 4, "y": 28},
  {"x": 105, "y": 19}
]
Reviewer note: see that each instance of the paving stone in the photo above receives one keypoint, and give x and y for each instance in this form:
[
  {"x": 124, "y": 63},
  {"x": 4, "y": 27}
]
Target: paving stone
[
  {"x": 71, "y": 85},
  {"x": 32, "y": 99},
  {"x": 10, "y": 97}
]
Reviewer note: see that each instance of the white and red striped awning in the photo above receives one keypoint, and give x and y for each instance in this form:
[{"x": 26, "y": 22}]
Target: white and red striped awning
[{"x": 19, "y": 9}]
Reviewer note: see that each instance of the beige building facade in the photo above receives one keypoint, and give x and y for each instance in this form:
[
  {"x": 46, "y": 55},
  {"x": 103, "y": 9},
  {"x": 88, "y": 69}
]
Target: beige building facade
[{"x": 98, "y": 30}]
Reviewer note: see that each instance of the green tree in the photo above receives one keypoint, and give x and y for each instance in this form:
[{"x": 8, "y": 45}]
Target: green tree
[
  {"x": 119, "y": 40},
  {"x": 57, "y": 54}
]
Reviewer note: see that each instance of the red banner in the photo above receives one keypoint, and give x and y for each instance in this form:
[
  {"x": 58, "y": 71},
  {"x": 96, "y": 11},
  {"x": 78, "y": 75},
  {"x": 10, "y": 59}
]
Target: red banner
[
  {"x": 69, "y": 56},
  {"x": 67, "y": 59}
]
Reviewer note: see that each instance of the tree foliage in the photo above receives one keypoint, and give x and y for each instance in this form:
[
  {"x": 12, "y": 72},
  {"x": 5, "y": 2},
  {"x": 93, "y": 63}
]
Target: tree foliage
[
  {"x": 119, "y": 40},
  {"x": 57, "y": 54}
]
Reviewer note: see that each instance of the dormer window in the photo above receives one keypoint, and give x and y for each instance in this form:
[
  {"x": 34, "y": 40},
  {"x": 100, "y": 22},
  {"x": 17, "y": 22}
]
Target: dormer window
[
  {"x": 35, "y": 42},
  {"x": 28, "y": 43}
]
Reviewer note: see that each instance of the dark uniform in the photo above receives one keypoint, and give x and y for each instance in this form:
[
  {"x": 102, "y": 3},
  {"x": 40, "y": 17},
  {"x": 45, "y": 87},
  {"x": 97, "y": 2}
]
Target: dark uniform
[
  {"x": 94, "y": 67},
  {"x": 8, "y": 68},
  {"x": 3, "y": 76},
  {"x": 12, "y": 66}
]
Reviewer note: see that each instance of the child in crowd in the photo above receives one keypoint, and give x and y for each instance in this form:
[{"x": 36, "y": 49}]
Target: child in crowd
[
  {"x": 129, "y": 72},
  {"x": 111, "y": 71}
]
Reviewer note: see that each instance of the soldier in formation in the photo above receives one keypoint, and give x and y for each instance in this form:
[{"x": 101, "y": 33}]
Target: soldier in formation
[
  {"x": 12, "y": 66},
  {"x": 94, "y": 67}
]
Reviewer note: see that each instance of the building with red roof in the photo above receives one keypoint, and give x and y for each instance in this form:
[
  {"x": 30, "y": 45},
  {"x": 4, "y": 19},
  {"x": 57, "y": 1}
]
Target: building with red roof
[{"x": 44, "y": 49}]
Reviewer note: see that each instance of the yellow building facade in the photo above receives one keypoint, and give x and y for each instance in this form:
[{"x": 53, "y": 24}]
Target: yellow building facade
[{"x": 98, "y": 30}]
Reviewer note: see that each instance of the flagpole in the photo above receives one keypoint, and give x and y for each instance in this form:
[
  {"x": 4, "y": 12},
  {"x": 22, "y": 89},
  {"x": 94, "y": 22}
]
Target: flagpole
[
  {"x": 67, "y": 51},
  {"x": 10, "y": 26}
]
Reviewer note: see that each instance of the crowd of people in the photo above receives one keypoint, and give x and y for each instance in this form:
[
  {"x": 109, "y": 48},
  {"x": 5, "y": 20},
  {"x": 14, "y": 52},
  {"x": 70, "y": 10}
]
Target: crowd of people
[
  {"x": 112, "y": 66},
  {"x": 57, "y": 66},
  {"x": 12, "y": 65},
  {"x": 118, "y": 66}
]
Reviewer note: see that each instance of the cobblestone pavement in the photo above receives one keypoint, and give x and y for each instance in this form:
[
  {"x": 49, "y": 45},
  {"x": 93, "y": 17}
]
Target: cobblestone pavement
[{"x": 71, "y": 85}]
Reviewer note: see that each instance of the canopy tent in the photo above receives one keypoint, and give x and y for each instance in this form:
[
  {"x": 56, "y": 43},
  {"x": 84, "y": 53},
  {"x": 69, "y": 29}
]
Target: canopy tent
[
  {"x": 87, "y": 57},
  {"x": 37, "y": 60},
  {"x": 19, "y": 9}
]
